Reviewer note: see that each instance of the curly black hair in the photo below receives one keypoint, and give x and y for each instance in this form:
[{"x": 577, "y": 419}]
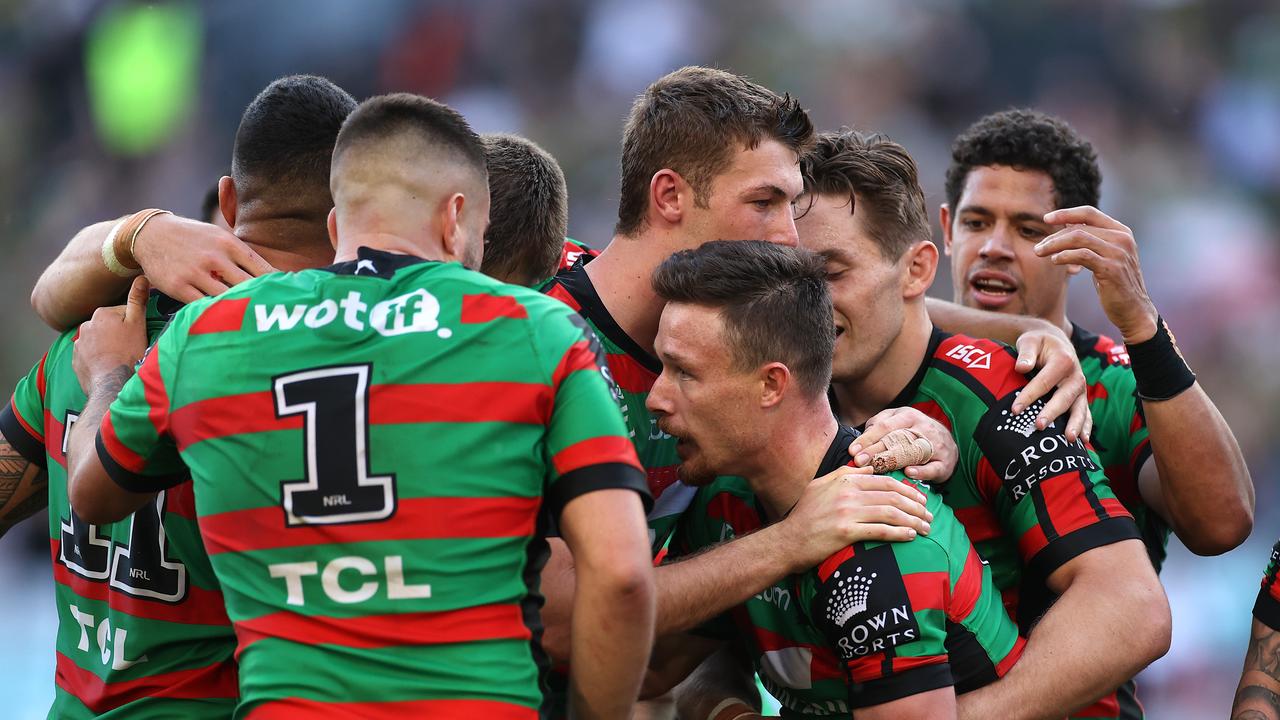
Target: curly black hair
[{"x": 1028, "y": 140}]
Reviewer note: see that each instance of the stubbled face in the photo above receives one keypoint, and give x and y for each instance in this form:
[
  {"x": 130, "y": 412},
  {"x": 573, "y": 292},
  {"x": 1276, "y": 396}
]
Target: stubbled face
[
  {"x": 701, "y": 397},
  {"x": 751, "y": 200},
  {"x": 866, "y": 288},
  {"x": 991, "y": 238}
]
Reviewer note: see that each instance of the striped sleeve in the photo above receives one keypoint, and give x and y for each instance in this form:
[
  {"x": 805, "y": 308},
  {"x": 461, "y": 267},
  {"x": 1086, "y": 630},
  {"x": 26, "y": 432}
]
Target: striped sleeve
[
  {"x": 134, "y": 441},
  {"x": 1267, "y": 607},
  {"x": 22, "y": 419},
  {"x": 883, "y": 613},
  {"x": 587, "y": 445},
  {"x": 1049, "y": 493}
]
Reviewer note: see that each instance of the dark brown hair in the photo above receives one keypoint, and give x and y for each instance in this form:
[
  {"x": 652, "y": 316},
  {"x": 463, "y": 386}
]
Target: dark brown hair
[
  {"x": 875, "y": 171},
  {"x": 528, "y": 212},
  {"x": 773, "y": 299},
  {"x": 693, "y": 121}
]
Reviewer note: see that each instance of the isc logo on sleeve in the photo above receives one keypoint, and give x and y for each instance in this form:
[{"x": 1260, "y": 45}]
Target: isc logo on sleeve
[{"x": 414, "y": 312}]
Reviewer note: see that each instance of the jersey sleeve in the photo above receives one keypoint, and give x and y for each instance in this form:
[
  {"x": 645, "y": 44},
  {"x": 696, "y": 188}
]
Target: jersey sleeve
[
  {"x": 1267, "y": 607},
  {"x": 134, "y": 440},
  {"x": 1118, "y": 416},
  {"x": 1049, "y": 493},
  {"x": 884, "y": 614},
  {"x": 587, "y": 445},
  {"x": 22, "y": 419}
]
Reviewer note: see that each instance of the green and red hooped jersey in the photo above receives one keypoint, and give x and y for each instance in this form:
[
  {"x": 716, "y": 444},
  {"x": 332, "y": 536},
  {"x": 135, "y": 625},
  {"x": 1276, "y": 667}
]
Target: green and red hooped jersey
[
  {"x": 1029, "y": 499},
  {"x": 634, "y": 370},
  {"x": 1267, "y": 607},
  {"x": 142, "y": 631},
  {"x": 1120, "y": 434},
  {"x": 376, "y": 448},
  {"x": 874, "y": 622}
]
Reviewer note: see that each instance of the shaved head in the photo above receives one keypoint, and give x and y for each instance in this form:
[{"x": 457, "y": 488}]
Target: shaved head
[{"x": 411, "y": 167}]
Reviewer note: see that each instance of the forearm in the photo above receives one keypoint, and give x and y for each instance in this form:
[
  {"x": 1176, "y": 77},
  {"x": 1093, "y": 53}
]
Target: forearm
[
  {"x": 1204, "y": 487},
  {"x": 1258, "y": 695},
  {"x": 953, "y": 318},
  {"x": 696, "y": 589},
  {"x": 96, "y": 498},
  {"x": 611, "y": 639},
  {"x": 78, "y": 282},
  {"x": 24, "y": 487},
  {"x": 1107, "y": 626}
]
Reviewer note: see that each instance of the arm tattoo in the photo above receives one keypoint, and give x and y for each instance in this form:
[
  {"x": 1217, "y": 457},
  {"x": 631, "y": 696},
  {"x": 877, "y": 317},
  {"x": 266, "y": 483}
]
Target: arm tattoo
[
  {"x": 22, "y": 487},
  {"x": 1253, "y": 701}
]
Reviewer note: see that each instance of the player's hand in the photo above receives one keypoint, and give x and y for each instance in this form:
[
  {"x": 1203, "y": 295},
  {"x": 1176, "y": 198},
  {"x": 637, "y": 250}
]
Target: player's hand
[
  {"x": 1093, "y": 240},
  {"x": 116, "y": 337},
  {"x": 846, "y": 506},
  {"x": 873, "y": 447},
  {"x": 187, "y": 260},
  {"x": 1050, "y": 350}
]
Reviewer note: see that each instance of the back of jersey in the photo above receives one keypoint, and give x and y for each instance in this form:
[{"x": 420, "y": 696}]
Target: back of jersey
[{"x": 373, "y": 447}]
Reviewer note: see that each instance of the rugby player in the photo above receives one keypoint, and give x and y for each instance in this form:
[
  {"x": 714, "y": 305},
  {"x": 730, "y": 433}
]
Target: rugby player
[
  {"x": 1258, "y": 695},
  {"x": 883, "y": 630},
  {"x": 432, "y": 410},
  {"x": 529, "y": 214},
  {"x": 1061, "y": 548},
  {"x": 1021, "y": 218},
  {"x": 142, "y": 628},
  {"x": 708, "y": 155}
]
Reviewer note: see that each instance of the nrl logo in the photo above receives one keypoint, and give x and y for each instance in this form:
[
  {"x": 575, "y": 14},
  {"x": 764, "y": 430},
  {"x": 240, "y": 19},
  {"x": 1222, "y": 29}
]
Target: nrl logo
[
  {"x": 850, "y": 596},
  {"x": 1024, "y": 423}
]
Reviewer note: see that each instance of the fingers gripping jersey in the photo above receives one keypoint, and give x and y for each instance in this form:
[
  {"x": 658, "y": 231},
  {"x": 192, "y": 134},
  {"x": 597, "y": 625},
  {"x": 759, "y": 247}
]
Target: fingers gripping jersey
[
  {"x": 142, "y": 632},
  {"x": 1029, "y": 499},
  {"x": 875, "y": 622},
  {"x": 635, "y": 371},
  {"x": 1267, "y": 607},
  {"x": 374, "y": 448},
  {"x": 1120, "y": 434}
]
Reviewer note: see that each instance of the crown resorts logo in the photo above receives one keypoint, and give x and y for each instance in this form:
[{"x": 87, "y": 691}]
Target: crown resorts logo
[
  {"x": 850, "y": 597},
  {"x": 1023, "y": 423}
]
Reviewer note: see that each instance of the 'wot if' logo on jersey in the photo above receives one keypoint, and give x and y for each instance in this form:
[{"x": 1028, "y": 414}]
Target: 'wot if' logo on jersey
[{"x": 414, "y": 312}]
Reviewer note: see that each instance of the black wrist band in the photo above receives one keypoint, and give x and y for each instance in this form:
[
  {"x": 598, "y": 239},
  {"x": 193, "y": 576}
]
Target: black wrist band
[{"x": 1158, "y": 366}]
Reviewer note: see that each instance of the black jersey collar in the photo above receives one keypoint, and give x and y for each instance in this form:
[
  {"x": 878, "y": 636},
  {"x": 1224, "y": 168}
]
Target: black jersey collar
[
  {"x": 908, "y": 393},
  {"x": 375, "y": 263},
  {"x": 578, "y": 284},
  {"x": 838, "y": 452},
  {"x": 1084, "y": 341}
]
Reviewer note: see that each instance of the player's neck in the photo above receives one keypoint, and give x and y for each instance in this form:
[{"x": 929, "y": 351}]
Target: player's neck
[
  {"x": 350, "y": 243},
  {"x": 288, "y": 244},
  {"x": 860, "y": 398},
  {"x": 622, "y": 277},
  {"x": 791, "y": 457}
]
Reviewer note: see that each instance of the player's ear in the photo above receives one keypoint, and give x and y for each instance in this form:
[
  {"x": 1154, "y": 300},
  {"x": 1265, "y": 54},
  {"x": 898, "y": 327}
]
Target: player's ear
[
  {"x": 451, "y": 231},
  {"x": 332, "y": 224},
  {"x": 227, "y": 201},
  {"x": 944, "y": 217},
  {"x": 668, "y": 194},
  {"x": 775, "y": 379},
  {"x": 921, "y": 264}
]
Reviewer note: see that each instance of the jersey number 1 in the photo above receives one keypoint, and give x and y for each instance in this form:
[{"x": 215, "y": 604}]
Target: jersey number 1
[{"x": 337, "y": 486}]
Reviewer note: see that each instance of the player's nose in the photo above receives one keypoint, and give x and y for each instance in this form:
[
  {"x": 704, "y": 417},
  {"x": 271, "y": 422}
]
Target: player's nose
[
  {"x": 998, "y": 244},
  {"x": 658, "y": 402}
]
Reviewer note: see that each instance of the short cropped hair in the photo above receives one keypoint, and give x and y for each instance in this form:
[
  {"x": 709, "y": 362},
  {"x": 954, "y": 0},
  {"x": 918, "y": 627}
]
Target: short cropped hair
[
  {"x": 1028, "y": 140},
  {"x": 693, "y": 121},
  {"x": 880, "y": 174},
  {"x": 436, "y": 124},
  {"x": 286, "y": 137},
  {"x": 773, "y": 299},
  {"x": 528, "y": 211}
]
